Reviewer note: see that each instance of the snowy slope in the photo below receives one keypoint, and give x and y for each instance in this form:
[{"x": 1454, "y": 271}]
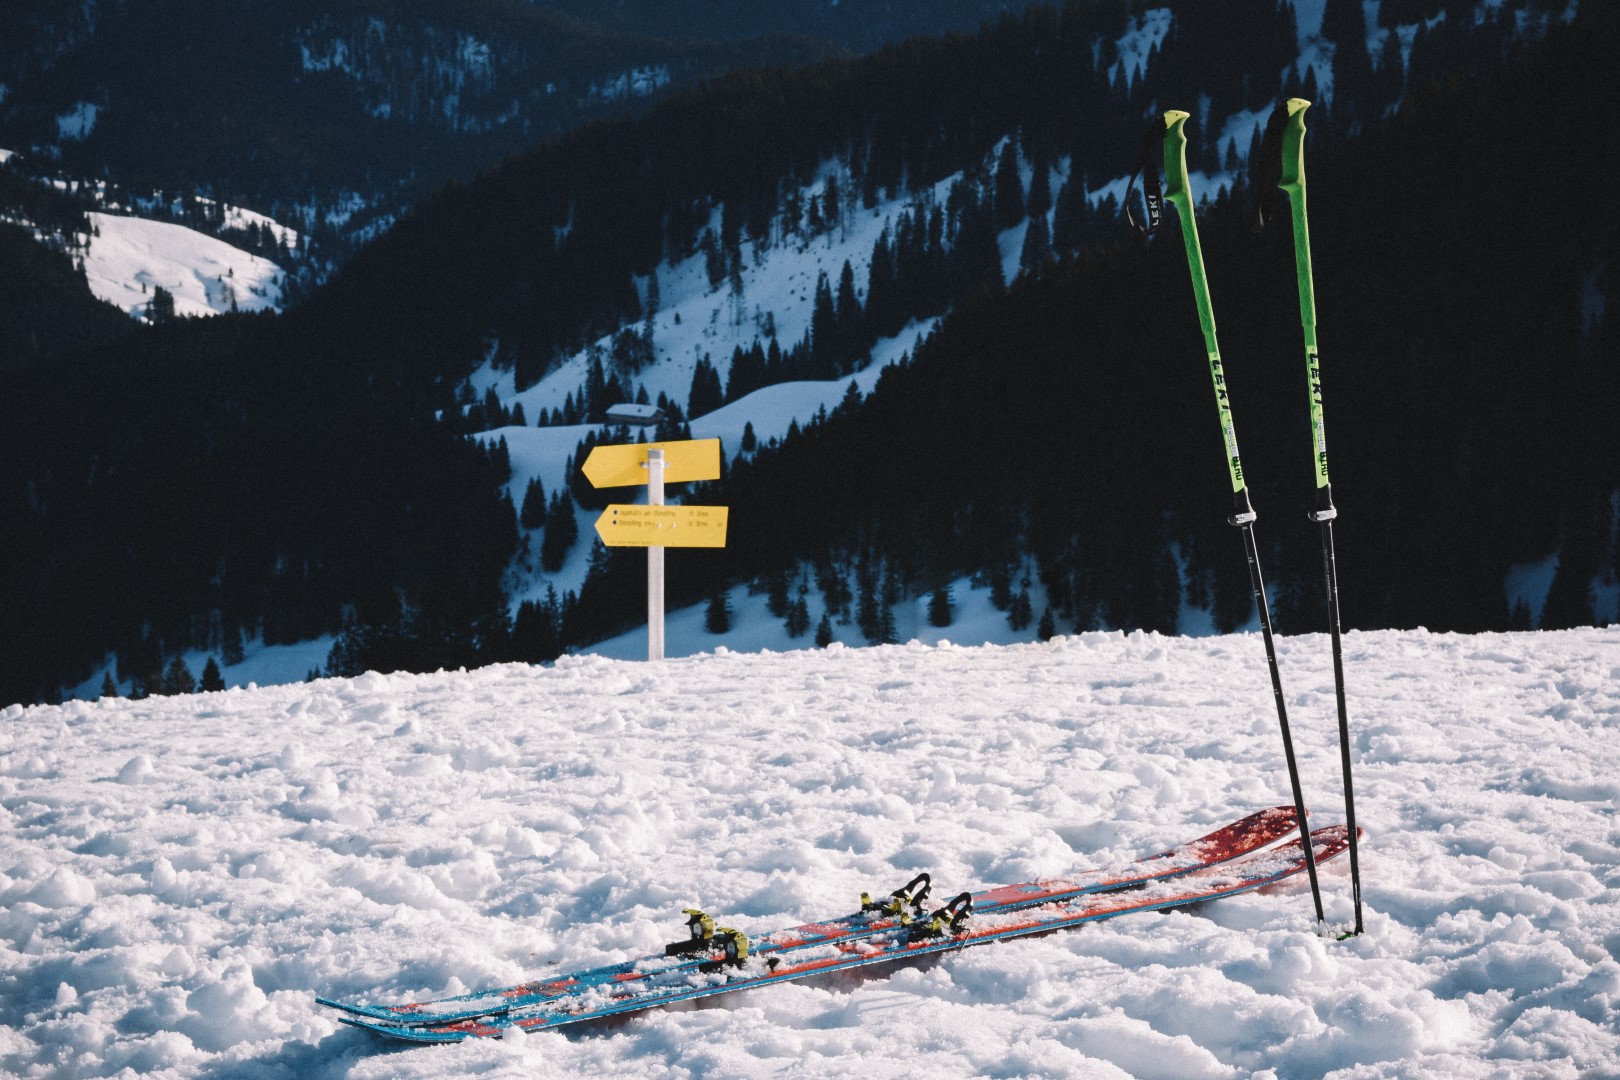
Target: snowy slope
[
  {"x": 695, "y": 321},
  {"x": 179, "y": 876},
  {"x": 129, "y": 257}
]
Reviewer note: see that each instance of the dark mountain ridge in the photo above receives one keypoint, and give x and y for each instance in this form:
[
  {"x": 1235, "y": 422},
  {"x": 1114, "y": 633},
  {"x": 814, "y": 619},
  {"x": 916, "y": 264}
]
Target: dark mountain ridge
[{"x": 334, "y": 117}]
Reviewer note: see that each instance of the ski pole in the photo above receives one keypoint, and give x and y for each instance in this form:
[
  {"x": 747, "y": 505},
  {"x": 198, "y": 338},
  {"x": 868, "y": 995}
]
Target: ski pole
[
  {"x": 1289, "y": 116},
  {"x": 1177, "y": 192}
]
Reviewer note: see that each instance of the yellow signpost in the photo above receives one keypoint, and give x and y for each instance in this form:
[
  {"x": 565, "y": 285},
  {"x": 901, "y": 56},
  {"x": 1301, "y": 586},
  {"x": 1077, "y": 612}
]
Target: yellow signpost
[
  {"x": 664, "y": 526},
  {"x": 626, "y": 465},
  {"x": 656, "y": 526}
]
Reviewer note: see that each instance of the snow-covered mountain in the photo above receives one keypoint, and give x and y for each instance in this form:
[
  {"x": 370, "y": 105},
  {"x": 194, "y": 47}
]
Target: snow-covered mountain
[
  {"x": 341, "y": 116},
  {"x": 561, "y": 266},
  {"x": 179, "y": 877}
]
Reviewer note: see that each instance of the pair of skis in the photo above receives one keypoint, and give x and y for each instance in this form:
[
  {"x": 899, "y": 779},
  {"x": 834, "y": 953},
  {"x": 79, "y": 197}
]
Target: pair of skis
[
  {"x": 1281, "y": 165},
  {"x": 713, "y": 960}
]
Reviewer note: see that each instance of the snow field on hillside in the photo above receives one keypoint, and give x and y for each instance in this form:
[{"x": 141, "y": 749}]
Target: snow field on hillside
[
  {"x": 128, "y": 258},
  {"x": 179, "y": 876}
]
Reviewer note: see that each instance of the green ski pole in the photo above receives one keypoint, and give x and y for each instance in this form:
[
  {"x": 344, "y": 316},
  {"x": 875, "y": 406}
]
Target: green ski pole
[
  {"x": 1289, "y": 117},
  {"x": 1177, "y": 192}
]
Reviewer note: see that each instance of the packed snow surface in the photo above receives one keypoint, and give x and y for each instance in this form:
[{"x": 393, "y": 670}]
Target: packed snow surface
[{"x": 180, "y": 876}]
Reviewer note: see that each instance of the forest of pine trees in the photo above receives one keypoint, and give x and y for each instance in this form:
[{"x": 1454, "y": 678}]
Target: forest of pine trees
[{"x": 295, "y": 476}]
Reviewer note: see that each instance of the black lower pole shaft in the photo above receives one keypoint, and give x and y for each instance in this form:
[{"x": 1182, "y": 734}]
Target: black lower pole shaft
[
  {"x": 1331, "y": 571},
  {"x": 1245, "y": 522}
]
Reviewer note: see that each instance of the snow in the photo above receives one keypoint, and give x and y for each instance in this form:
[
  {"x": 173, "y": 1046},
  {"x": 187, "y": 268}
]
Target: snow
[
  {"x": 180, "y": 876},
  {"x": 77, "y": 123},
  {"x": 1528, "y": 584},
  {"x": 1141, "y": 39},
  {"x": 129, "y": 257},
  {"x": 636, "y": 82}
]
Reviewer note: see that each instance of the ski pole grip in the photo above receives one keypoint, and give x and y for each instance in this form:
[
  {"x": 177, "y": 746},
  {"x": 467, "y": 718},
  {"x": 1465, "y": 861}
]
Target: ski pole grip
[
  {"x": 1293, "y": 182},
  {"x": 1175, "y": 154},
  {"x": 1177, "y": 190}
]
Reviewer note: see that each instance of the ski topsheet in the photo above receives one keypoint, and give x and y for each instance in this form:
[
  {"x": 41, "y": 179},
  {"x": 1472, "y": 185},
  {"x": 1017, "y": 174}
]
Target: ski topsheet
[
  {"x": 1252, "y": 871},
  {"x": 1237, "y": 839}
]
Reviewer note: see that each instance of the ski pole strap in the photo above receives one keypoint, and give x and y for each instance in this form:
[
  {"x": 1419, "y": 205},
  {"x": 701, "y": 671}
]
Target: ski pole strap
[
  {"x": 1265, "y": 171},
  {"x": 1147, "y": 167}
]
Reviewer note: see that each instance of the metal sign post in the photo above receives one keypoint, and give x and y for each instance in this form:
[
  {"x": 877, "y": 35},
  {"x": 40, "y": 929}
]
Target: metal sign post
[{"x": 655, "y": 561}]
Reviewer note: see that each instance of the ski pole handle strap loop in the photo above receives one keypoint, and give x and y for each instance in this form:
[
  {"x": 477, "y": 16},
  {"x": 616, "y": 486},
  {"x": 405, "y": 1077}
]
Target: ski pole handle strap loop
[
  {"x": 1148, "y": 169},
  {"x": 1265, "y": 171}
]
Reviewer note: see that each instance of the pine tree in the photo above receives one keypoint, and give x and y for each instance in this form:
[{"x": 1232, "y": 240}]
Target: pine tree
[
  {"x": 717, "y": 619},
  {"x": 1040, "y": 187},
  {"x": 833, "y": 203},
  {"x": 884, "y": 316},
  {"x": 212, "y": 680},
  {"x": 177, "y": 678},
  {"x": 494, "y": 411},
  {"x": 537, "y": 629},
  {"x": 939, "y": 607},
  {"x": 1001, "y": 596},
  {"x": 1009, "y": 186},
  {"x": 798, "y": 618},
  {"x": 533, "y": 513},
  {"x": 1037, "y": 247},
  {"x": 108, "y": 687},
  {"x": 233, "y": 650},
  {"x": 824, "y": 631},
  {"x": 654, "y": 299},
  {"x": 887, "y": 634},
  {"x": 868, "y": 606},
  {"x": 160, "y": 309},
  {"x": 706, "y": 394},
  {"x": 824, "y": 344},
  {"x": 777, "y": 601},
  {"x": 1020, "y": 614},
  {"x": 595, "y": 401},
  {"x": 852, "y": 334},
  {"x": 1047, "y": 629},
  {"x": 562, "y": 529},
  {"x": 1069, "y": 216}
]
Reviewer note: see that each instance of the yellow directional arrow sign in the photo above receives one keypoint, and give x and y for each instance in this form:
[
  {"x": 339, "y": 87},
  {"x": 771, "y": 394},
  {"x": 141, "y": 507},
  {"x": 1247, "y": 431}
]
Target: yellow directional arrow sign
[
  {"x": 622, "y": 466},
  {"x": 664, "y": 526}
]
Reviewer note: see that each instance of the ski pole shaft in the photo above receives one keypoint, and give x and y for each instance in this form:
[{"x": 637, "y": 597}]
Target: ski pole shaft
[{"x": 1177, "y": 192}]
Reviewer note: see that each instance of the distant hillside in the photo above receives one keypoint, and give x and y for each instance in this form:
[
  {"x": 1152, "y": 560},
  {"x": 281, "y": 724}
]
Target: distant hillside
[
  {"x": 338, "y": 116},
  {"x": 801, "y": 227},
  {"x": 46, "y": 305}
]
